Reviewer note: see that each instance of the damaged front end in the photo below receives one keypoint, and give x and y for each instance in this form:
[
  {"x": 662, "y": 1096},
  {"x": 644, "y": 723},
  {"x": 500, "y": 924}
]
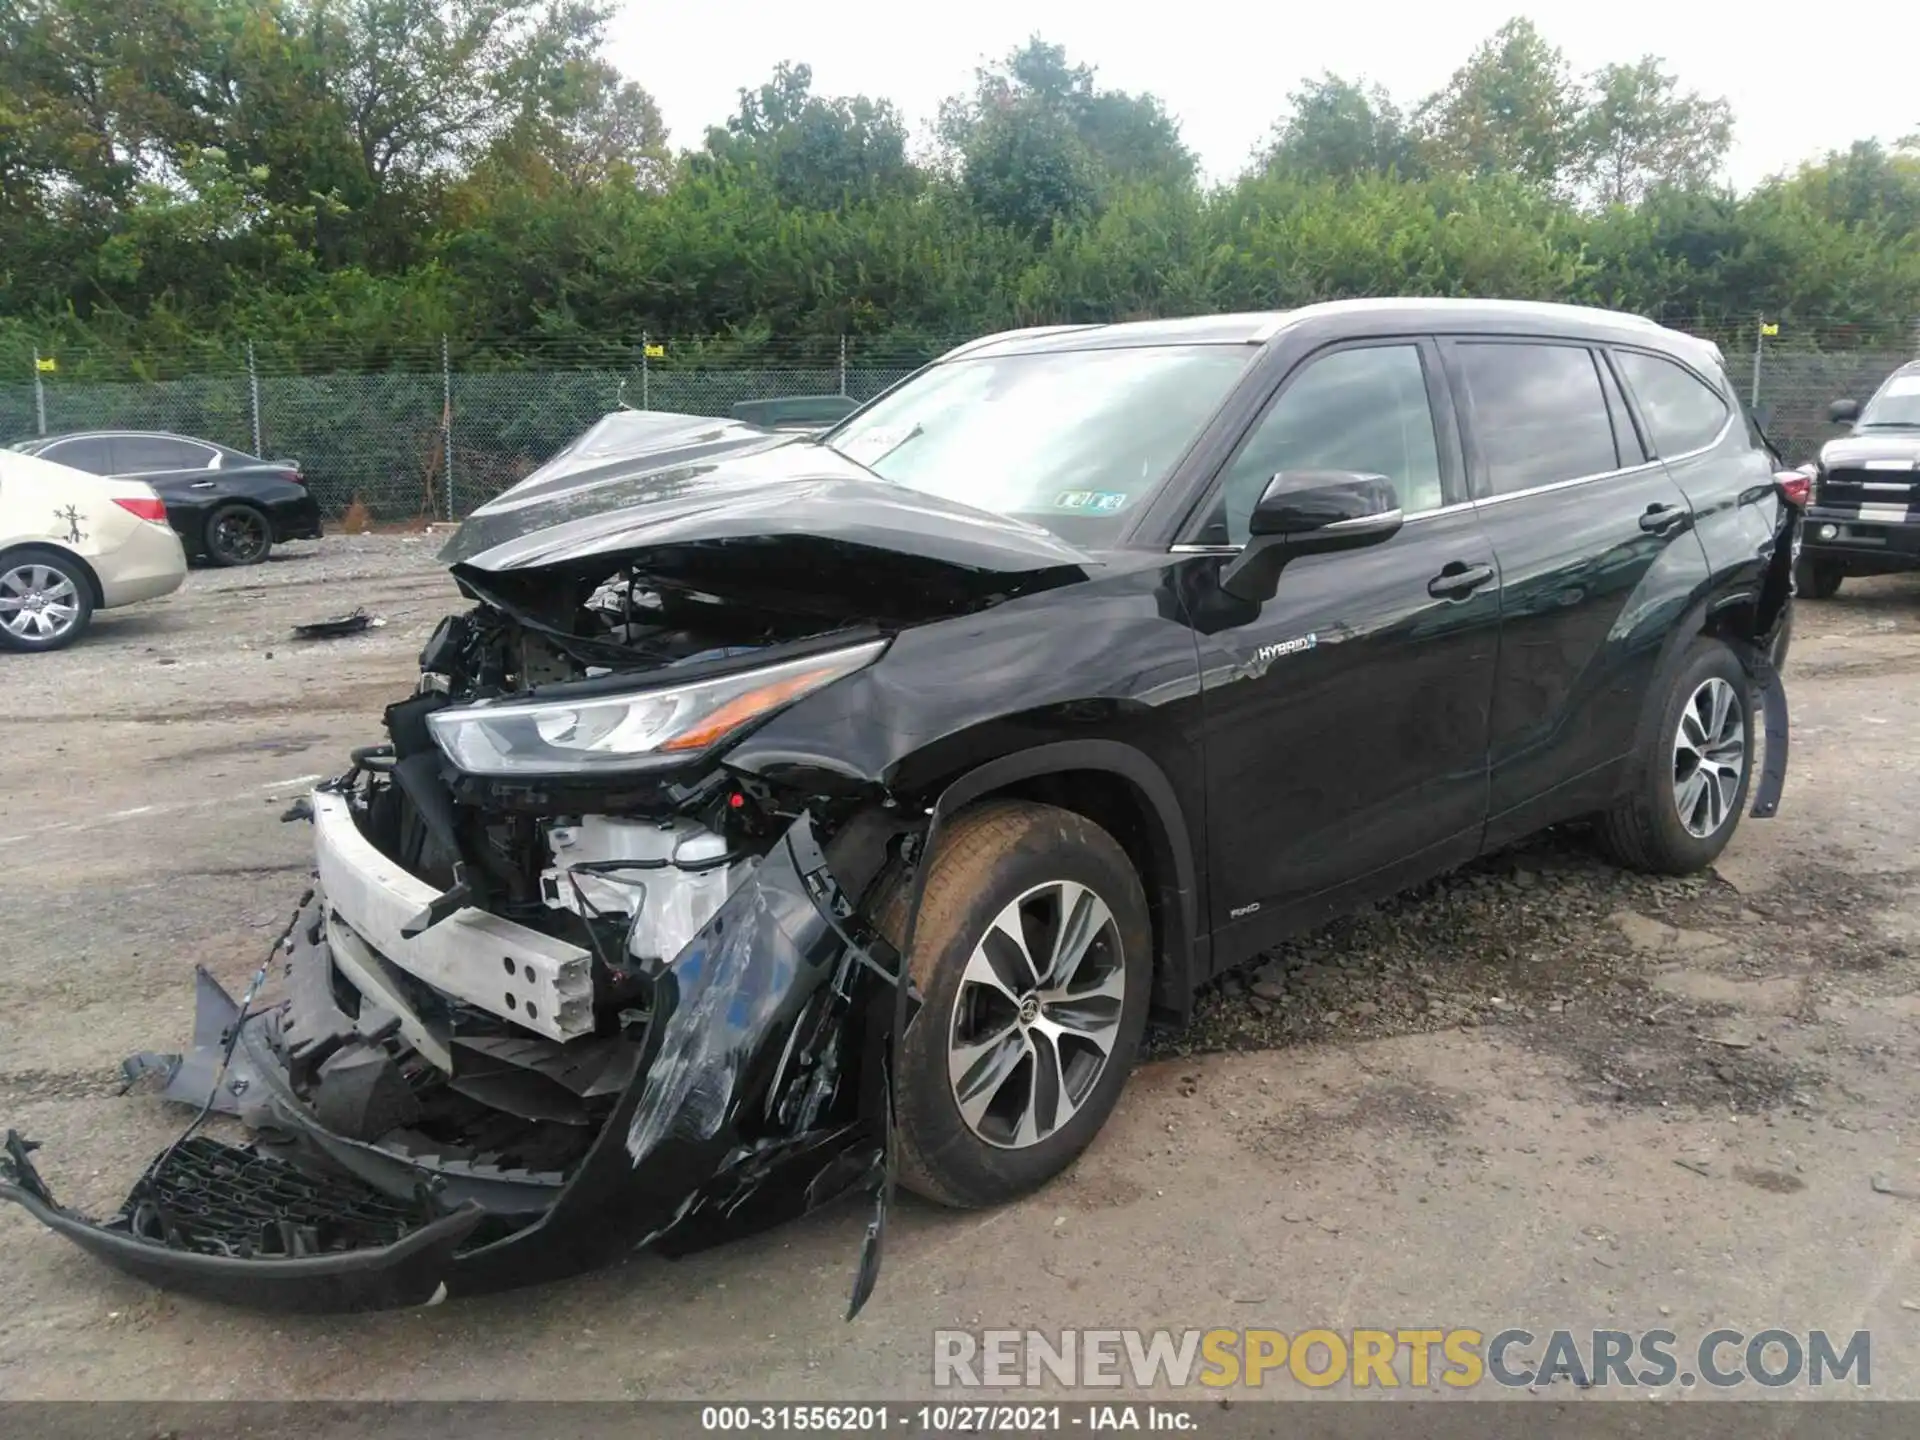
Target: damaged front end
[
  {"x": 565, "y": 986},
  {"x": 408, "y": 1145},
  {"x": 568, "y": 983}
]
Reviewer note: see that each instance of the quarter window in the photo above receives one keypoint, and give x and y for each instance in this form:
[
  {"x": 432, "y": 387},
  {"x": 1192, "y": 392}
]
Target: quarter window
[
  {"x": 1681, "y": 411},
  {"x": 1539, "y": 414},
  {"x": 1363, "y": 410}
]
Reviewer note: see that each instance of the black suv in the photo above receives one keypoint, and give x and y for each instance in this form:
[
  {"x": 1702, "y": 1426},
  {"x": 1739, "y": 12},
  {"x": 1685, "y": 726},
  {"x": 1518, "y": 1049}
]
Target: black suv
[
  {"x": 1083, "y": 665},
  {"x": 1864, "y": 518}
]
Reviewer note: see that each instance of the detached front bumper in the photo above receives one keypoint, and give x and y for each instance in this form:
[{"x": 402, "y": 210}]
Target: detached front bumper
[{"x": 756, "y": 1091}]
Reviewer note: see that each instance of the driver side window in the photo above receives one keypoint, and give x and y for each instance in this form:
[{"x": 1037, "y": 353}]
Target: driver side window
[{"x": 1363, "y": 409}]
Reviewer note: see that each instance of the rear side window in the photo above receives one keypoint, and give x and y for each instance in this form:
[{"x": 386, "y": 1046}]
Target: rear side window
[
  {"x": 1681, "y": 411},
  {"x": 136, "y": 453},
  {"x": 1539, "y": 414}
]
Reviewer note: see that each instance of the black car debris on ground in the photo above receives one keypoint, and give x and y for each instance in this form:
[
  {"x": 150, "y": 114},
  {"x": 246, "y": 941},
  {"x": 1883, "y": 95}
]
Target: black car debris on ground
[
  {"x": 229, "y": 508},
  {"x": 1084, "y": 665},
  {"x": 1863, "y": 517}
]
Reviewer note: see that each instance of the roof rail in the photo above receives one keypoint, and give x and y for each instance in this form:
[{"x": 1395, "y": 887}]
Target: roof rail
[{"x": 1026, "y": 333}]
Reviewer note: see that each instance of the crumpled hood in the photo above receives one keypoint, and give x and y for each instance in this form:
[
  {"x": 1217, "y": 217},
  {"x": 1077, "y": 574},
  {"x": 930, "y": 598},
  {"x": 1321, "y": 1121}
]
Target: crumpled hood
[
  {"x": 644, "y": 481},
  {"x": 1851, "y": 451}
]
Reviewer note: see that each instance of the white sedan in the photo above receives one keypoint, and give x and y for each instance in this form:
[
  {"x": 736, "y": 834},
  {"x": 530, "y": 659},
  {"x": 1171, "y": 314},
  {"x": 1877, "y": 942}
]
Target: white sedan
[{"x": 72, "y": 543}]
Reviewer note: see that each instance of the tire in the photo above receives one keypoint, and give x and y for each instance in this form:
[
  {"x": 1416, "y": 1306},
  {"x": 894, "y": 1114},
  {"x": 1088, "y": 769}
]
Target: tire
[
  {"x": 237, "y": 534},
  {"x": 62, "y": 590},
  {"x": 1648, "y": 829},
  {"x": 1818, "y": 579},
  {"x": 1002, "y": 859}
]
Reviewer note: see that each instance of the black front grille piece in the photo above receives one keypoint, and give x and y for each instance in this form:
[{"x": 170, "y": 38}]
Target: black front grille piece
[{"x": 215, "y": 1199}]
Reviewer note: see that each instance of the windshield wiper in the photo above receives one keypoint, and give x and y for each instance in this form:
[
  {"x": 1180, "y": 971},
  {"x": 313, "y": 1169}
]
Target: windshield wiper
[{"x": 913, "y": 434}]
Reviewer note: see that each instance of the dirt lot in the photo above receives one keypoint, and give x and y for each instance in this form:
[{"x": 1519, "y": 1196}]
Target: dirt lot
[{"x": 1537, "y": 1093}]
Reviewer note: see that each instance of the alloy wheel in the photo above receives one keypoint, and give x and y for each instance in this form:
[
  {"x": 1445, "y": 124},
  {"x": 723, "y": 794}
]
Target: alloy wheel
[
  {"x": 1037, "y": 1014},
  {"x": 1709, "y": 757},
  {"x": 240, "y": 536},
  {"x": 38, "y": 603}
]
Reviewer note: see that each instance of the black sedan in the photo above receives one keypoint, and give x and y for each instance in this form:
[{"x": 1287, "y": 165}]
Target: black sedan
[{"x": 230, "y": 508}]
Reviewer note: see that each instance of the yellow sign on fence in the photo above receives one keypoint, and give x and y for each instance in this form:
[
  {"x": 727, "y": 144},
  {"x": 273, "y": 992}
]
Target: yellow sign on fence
[
  {"x": 1769, "y": 329},
  {"x": 47, "y": 364},
  {"x": 655, "y": 352}
]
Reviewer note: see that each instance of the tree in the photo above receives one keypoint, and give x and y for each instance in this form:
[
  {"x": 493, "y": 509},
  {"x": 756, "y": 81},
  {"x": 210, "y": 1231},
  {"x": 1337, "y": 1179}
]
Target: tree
[
  {"x": 428, "y": 84},
  {"x": 595, "y": 128},
  {"x": 1512, "y": 109},
  {"x": 1337, "y": 129},
  {"x": 1866, "y": 185},
  {"x": 1640, "y": 133},
  {"x": 1038, "y": 143},
  {"x": 813, "y": 151}
]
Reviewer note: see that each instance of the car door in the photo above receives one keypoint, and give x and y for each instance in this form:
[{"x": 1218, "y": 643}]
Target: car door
[
  {"x": 1693, "y": 422},
  {"x": 164, "y": 462},
  {"x": 1345, "y": 719},
  {"x": 1596, "y": 549}
]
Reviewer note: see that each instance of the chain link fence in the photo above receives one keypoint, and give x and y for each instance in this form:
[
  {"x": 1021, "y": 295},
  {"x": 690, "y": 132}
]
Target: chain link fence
[
  {"x": 429, "y": 435},
  {"x": 435, "y": 432}
]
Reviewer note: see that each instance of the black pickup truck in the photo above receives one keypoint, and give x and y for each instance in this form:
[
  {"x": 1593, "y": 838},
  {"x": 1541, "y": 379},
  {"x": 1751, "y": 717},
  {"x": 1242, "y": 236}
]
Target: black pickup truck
[{"x": 1864, "y": 515}]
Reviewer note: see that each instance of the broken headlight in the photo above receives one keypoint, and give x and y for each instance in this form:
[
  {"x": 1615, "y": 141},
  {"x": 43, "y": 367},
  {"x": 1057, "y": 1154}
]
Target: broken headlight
[{"x": 625, "y": 732}]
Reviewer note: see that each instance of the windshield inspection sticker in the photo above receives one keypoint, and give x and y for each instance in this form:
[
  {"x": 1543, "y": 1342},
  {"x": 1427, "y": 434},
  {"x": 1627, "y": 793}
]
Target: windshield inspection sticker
[{"x": 1099, "y": 500}]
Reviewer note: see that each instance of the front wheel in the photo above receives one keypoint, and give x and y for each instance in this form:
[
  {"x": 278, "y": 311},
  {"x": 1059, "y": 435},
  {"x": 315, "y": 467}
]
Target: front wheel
[
  {"x": 1684, "y": 801},
  {"x": 1818, "y": 579},
  {"x": 46, "y": 600},
  {"x": 1033, "y": 953},
  {"x": 238, "y": 535}
]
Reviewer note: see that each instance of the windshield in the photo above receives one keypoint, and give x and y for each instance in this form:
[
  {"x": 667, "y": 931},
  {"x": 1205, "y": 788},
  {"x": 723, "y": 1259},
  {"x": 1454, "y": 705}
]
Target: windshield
[
  {"x": 1069, "y": 440},
  {"x": 1897, "y": 404}
]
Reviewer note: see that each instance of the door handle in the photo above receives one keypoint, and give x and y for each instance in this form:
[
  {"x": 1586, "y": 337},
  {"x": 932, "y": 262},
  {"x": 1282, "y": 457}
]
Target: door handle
[
  {"x": 201, "y": 485},
  {"x": 1458, "y": 580},
  {"x": 1659, "y": 519}
]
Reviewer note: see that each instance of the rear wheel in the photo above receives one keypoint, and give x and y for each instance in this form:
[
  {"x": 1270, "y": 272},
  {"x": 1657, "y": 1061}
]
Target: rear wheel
[
  {"x": 1033, "y": 953},
  {"x": 46, "y": 600},
  {"x": 1690, "y": 786},
  {"x": 238, "y": 535},
  {"x": 1818, "y": 579}
]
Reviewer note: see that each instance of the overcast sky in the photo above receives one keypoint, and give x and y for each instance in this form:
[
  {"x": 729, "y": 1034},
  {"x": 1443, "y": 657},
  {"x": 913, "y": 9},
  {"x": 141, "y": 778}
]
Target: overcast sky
[{"x": 1801, "y": 80}]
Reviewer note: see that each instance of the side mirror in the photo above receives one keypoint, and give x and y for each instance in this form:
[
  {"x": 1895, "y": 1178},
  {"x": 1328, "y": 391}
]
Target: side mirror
[
  {"x": 1843, "y": 412},
  {"x": 1310, "y": 512}
]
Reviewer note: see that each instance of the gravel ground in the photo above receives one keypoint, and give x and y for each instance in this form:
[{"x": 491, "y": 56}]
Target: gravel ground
[
  {"x": 1553, "y": 943},
  {"x": 1538, "y": 1087}
]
